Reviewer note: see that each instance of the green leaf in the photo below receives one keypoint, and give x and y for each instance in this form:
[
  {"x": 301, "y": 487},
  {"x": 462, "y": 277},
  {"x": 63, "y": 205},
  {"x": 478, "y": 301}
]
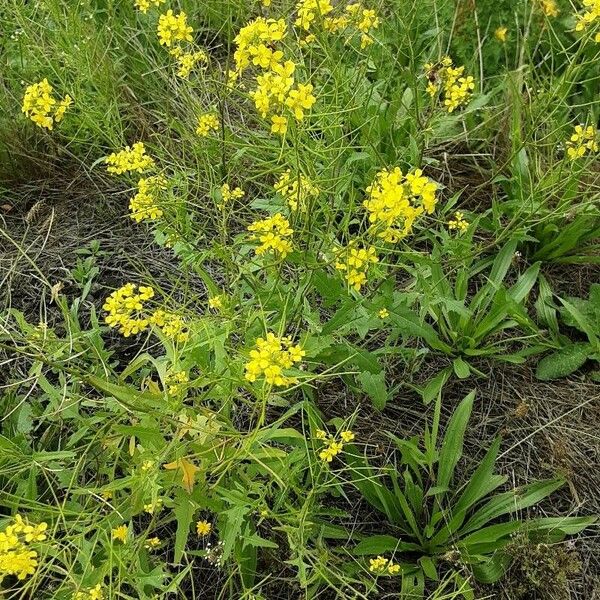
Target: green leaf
[
  {"x": 375, "y": 387},
  {"x": 452, "y": 445},
  {"x": 563, "y": 362},
  {"x": 381, "y": 544},
  {"x": 493, "y": 569},
  {"x": 184, "y": 511},
  {"x": 461, "y": 368},
  {"x": 428, "y": 567}
]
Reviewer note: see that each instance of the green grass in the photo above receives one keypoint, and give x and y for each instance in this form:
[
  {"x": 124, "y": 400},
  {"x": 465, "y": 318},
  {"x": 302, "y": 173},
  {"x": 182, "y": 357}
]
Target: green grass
[{"x": 92, "y": 434}]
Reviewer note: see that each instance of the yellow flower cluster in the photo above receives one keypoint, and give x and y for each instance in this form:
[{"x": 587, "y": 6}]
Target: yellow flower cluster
[
  {"x": 173, "y": 28},
  {"x": 124, "y": 307},
  {"x": 175, "y": 382},
  {"x": 275, "y": 92},
  {"x": 355, "y": 262},
  {"x": 217, "y": 302},
  {"x": 152, "y": 543},
  {"x": 206, "y": 123},
  {"x": 589, "y": 16},
  {"x": 454, "y": 88},
  {"x": 458, "y": 223},
  {"x": 364, "y": 20},
  {"x": 583, "y": 141},
  {"x": 129, "y": 159},
  {"x": 95, "y": 593},
  {"x": 171, "y": 324},
  {"x": 41, "y": 107},
  {"x": 549, "y": 8},
  {"x": 309, "y": 10},
  {"x": 396, "y": 200},
  {"x": 228, "y": 194},
  {"x": 187, "y": 61},
  {"x": 146, "y": 203},
  {"x": 333, "y": 447},
  {"x": 500, "y": 34},
  {"x": 296, "y": 189},
  {"x": 381, "y": 565},
  {"x": 272, "y": 233},
  {"x": 16, "y": 558},
  {"x": 144, "y": 5},
  {"x": 270, "y": 357}
]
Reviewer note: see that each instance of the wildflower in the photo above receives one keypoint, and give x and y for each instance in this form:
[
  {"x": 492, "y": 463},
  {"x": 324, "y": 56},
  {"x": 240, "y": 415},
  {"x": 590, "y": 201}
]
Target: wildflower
[
  {"x": 381, "y": 565},
  {"x": 549, "y": 8},
  {"x": 227, "y": 194},
  {"x": 271, "y": 357},
  {"x": 148, "y": 465},
  {"x": 355, "y": 262},
  {"x": 187, "y": 61},
  {"x": 458, "y": 223},
  {"x": 500, "y": 34},
  {"x": 216, "y": 302},
  {"x": 300, "y": 99},
  {"x": 397, "y": 200},
  {"x": 266, "y": 3},
  {"x": 95, "y": 593},
  {"x": 257, "y": 33},
  {"x": 331, "y": 450},
  {"x": 584, "y": 140},
  {"x": 145, "y": 204},
  {"x": 272, "y": 233},
  {"x": 173, "y": 28},
  {"x": 310, "y": 10},
  {"x": 393, "y": 568},
  {"x": 120, "y": 533},
  {"x": 279, "y": 124},
  {"x": 16, "y": 558},
  {"x": 321, "y": 435},
  {"x": 444, "y": 78},
  {"x": 175, "y": 382},
  {"x": 296, "y": 189},
  {"x": 129, "y": 159},
  {"x": 144, "y": 5},
  {"x": 152, "y": 543},
  {"x": 40, "y": 105},
  {"x": 203, "y": 528},
  {"x": 172, "y": 325},
  {"x": 206, "y": 123},
  {"x": 347, "y": 436},
  {"x": 124, "y": 307},
  {"x": 151, "y": 507},
  {"x": 384, "y": 313}
]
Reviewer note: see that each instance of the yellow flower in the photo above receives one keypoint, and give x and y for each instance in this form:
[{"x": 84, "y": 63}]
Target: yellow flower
[
  {"x": 172, "y": 325},
  {"x": 355, "y": 262},
  {"x": 300, "y": 99},
  {"x": 203, "y": 528},
  {"x": 144, "y": 5},
  {"x": 120, "y": 533},
  {"x": 347, "y": 436},
  {"x": 145, "y": 204},
  {"x": 206, "y": 123},
  {"x": 549, "y": 8},
  {"x": 41, "y": 107},
  {"x": 381, "y": 565},
  {"x": 458, "y": 223},
  {"x": 151, "y": 507},
  {"x": 175, "y": 382},
  {"x": 124, "y": 307},
  {"x": 152, "y": 543},
  {"x": 95, "y": 593},
  {"x": 311, "y": 10},
  {"x": 583, "y": 141},
  {"x": 271, "y": 357},
  {"x": 455, "y": 88},
  {"x": 331, "y": 451},
  {"x": 187, "y": 61},
  {"x": 272, "y": 233},
  {"x": 173, "y": 28},
  {"x": 320, "y": 434},
  {"x": 279, "y": 124},
  {"x": 129, "y": 159},
  {"x": 227, "y": 194},
  {"x": 297, "y": 190},
  {"x": 500, "y": 34},
  {"x": 384, "y": 313}
]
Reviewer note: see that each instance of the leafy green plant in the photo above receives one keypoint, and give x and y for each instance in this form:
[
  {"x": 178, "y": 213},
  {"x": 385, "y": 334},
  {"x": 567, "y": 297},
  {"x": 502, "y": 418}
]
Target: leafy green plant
[
  {"x": 580, "y": 314},
  {"x": 437, "y": 523}
]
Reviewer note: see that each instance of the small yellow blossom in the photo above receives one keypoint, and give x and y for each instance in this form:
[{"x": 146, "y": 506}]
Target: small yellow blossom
[
  {"x": 145, "y": 205},
  {"x": 583, "y": 141},
  {"x": 279, "y": 124},
  {"x": 40, "y": 105},
  {"x": 207, "y": 123},
  {"x": 172, "y": 325},
  {"x": 271, "y": 357},
  {"x": 175, "y": 382},
  {"x": 152, "y": 543},
  {"x": 454, "y": 87},
  {"x": 203, "y": 528},
  {"x": 382, "y": 565},
  {"x": 120, "y": 533},
  {"x": 148, "y": 465},
  {"x": 228, "y": 194},
  {"x": 458, "y": 223},
  {"x": 310, "y": 11},
  {"x": 125, "y": 309},
  {"x": 273, "y": 233},
  {"x": 216, "y": 302},
  {"x": 152, "y": 507},
  {"x": 549, "y": 8},
  {"x": 500, "y": 34},
  {"x": 129, "y": 159},
  {"x": 144, "y": 5},
  {"x": 173, "y": 28},
  {"x": 347, "y": 436},
  {"x": 384, "y": 313},
  {"x": 331, "y": 451},
  {"x": 95, "y": 593},
  {"x": 320, "y": 434},
  {"x": 187, "y": 61},
  {"x": 355, "y": 262}
]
